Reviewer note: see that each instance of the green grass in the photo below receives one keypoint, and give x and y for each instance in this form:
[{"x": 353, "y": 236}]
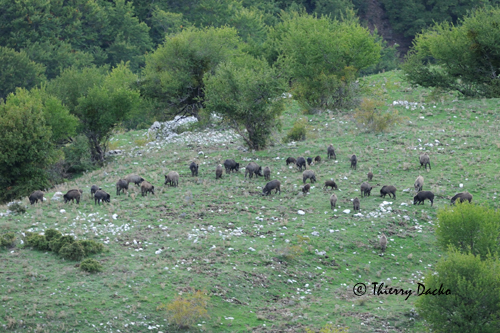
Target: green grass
[{"x": 224, "y": 237}]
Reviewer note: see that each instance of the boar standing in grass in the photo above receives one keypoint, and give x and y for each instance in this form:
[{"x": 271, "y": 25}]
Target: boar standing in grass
[
  {"x": 366, "y": 189},
  {"x": 36, "y": 196},
  {"x": 100, "y": 195},
  {"x": 218, "y": 172},
  {"x": 194, "y": 169},
  {"x": 147, "y": 187},
  {"x": 267, "y": 173},
  {"x": 424, "y": 161},
  {"x": 73, "y": 195},
  {"x": 383, "y": 242},
  {"x": 121, "y": 185},
  {"x": 331, "y": 152},
  {"x": 308, "y": 174},
  {"x": 461, "y": 197},
  {"x": 252, "y": 168},
  {"x": 301, "y": 162},
  {"x": 137, "y": 180},
  {"x": 231, "y": 166},
  {"x": 309, "y": 160},
  {"x": 355, "y": 204},
  {"x": 354, "y": 162},
  {"x": 333, "y": 201},
  {"x": 317, "y": 159},
  {"x": 291, "y": 160},
  {"x": 306, "y": 188},
  {"x": 94, "y": 189},
  {"x": 388, "y": 189},
  {"x": 421, "y": 196},
  {"x": 419, "y": 183},
  {"x": 370, "y": 176},
  {"x": 172, "y": 178},
  {"x": 272, "y": 185},
  {"x": 330, "y": 183}
]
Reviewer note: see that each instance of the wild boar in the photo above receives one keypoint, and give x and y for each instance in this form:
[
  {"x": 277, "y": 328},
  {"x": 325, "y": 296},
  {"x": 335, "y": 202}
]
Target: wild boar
[
  {"x": 419, "y": 183},
  {"x": 355, "y": 204},
  {"x": 147, "y": 187},
  {"x": 424, "y": 161},
  {"x": 461, "y": 197},
  {"x": 194, "y": 169},
  {"x": 421, "y": 196},
  {"x": 308, "y": 174},
  {"x": 137, "y": 180},
  {"x": 366, "y": 189},
  {"x": 218, "y": 172},
  {"x": 94, "y": 189},
  {"x": 73, "y": 195},
  {"x": 370, "y": 175},
  {"x": 172, "y": 178},
  {"x": 100, "y": 195},
  {"x": 273, "y": 184},
  {"x": 309, "y": 160},
  {"x": 333, "y": 201},
  {"x": 231, "y": 166},
  {"x": 36, "y": 196},
  {"x": 317, "y": 159},
  {"x": 252, "y": 168},
  {"x": 388, "y": 189},
  {"x": 291, "y": 160},
  {"x": 121, "y": 185},
  {"x": 331, "y": 152},
  {"x": 330, "y": 183},
  {"x": 301, "y": 162},
  {"x": 354, "y": 162},
  {"x": 267, "y": 173},
  {"x": 383, "y": 242},
  {"x": 306, "y": 188}
]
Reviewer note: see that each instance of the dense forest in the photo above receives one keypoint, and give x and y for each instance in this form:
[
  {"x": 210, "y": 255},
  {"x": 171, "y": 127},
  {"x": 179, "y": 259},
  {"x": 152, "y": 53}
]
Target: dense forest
[{"x": 72, "y": 71}]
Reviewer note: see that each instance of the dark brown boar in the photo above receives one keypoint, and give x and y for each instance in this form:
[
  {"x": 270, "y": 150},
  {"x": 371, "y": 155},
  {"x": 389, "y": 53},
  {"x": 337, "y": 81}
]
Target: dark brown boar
[
  {"x": 331, "y": 152},
  {"x": 36, "y": 196},
  {"x": 121, "y": 185},
  {"x": 388, "y": 189},
  {"x": 194, "y": 169},
  {"x": 421, "y": 196},
  {"x": 253, "y": 168},
  {"x": 267, "y": 173},
  {"x": 291, "y": 160},
  {"x": 306, "y": 188},
  {"x": 330, "y": 183},
  {"x": 218, "y": 172},
  {"x": 273, "y": 184},
  {"x": 172, "y": 179},
  {"x": 354, "y": 162},
  {"x": 366, "y": 189},
  {"x": 73, "y": 195},
  {"x": 147, "y": 187},
  {"x": 461, "y": 197},
  {"x": 100, "y": 195}
]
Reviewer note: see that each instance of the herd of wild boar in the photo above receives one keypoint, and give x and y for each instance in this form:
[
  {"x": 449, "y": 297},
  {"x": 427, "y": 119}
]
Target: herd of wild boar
[{"x": 230, "y": 165}]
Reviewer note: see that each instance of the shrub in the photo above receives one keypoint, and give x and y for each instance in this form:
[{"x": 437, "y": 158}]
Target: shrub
[
  {"x": 469, "y": 228},
  {"x": 17, "y": 208},
  {"x": 7, "y": 240},
  {"x": 90, "y": 265},
  {"x": 37, "y": 241},
  {"x": 188, "y": 310},
  {"x": 51, "y": 234},
  {"x": 473, "y": 303},
  {"x": 297, "y": 132},
  {"x": 57, "y": 243},
  {"x": 372, "y": 119},
  {"x": 290, "y": 252},
  {"x": 77, "y": 155},
  {"x": 72, "y": 251},
  {"x": 91, "y": 247}
]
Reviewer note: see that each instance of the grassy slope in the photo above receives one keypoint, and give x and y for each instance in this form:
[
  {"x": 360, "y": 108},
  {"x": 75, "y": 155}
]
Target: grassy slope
[{"x": 281, "y": 282}]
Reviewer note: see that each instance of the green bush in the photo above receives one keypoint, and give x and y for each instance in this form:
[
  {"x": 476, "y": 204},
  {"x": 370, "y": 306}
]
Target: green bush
[
  {"x": 297, "y": 132},
  {"x": 57, "y": 243},
  {"x": 37, "y": 241},
  {"x": 469, "y": 228},
  {"x": 77, "y": 155},
  {"x": 90, "y": 265},
  {"x": 17, "y": 208},
  {"x": 91, "y": 247},
  {"x": 372, "y": 119},
  {"x": 51, "y": 234},
  {"x": 473, "y": 304},
  {"x": 7, "y": 240},
  {"x": 72, "y": 251}
]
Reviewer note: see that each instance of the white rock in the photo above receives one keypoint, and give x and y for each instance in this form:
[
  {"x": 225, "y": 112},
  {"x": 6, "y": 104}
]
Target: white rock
[
  {"x": 461, "y": 185},
  {"x": 347, "y": 211},
  {"x": 301, "y": 212},
  {"x": 62, "y": 211}
]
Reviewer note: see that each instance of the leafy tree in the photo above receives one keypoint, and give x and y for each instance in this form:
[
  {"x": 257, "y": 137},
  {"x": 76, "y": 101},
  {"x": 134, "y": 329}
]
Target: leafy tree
[
  {"x": 465, "y": 57},
  {"x": 322, "y": 56},
  {"x": 18, "y": 71},
  {"x": 247, "y": 93},
  {"x": 174, "y": 72},
  {"x": 469, "y": 228},
  {"x": 472, "y": 305},
  {"x": 26, "y": 147}
]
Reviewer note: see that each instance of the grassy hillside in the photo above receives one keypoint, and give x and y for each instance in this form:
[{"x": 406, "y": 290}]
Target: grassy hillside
[{"x": 264, "y": 266}]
